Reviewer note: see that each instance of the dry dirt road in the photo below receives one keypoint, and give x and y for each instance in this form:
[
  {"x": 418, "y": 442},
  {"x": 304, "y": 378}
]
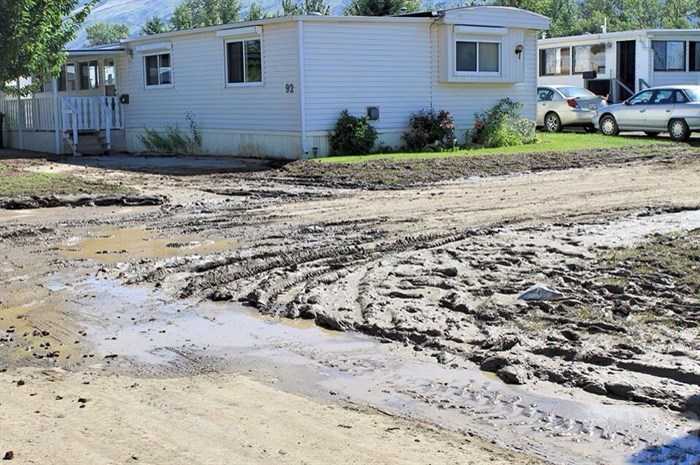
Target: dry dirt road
[{"x": 431, "y": 271}]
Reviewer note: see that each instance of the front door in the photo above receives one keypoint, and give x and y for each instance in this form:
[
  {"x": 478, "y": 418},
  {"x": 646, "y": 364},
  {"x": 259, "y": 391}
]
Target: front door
[{"x": 626, "y": 67}]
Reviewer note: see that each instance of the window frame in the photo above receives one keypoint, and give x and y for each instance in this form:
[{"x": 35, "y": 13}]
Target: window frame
[
  {"x": 594, "y": 65},
  {"x": 63, "y": 78},
  {"x": 543, "y": 61},
  {"x": 243, "y": 39},
  {"x": 478, "y": 41},
  {"x": 158, "y": 54},
  {"x": 89, "y": 65},
  {"x": 666, "y": 70}
]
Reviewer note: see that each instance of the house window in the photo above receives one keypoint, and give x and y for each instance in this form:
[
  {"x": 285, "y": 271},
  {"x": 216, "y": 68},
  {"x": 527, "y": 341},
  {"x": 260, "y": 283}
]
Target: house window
[
  {"x": 589, "y": 58},
  {"x": 67, "y": 79},
  {"x": 89, "y": 74},
  {"x": 158, "y": 70},
  {"x": 478, "y": 57},
  {"x": 668, "y": 55},
  {"x": 694, "y": 52},
  {"x": 243, "y": 61},
  {"x": 555, "y": 61}
]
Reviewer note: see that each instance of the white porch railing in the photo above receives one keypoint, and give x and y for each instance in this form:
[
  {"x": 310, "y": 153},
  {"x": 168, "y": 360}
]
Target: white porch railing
[
  {"x": 66, "y": 115},
  {"x": 90, "y": 114}
]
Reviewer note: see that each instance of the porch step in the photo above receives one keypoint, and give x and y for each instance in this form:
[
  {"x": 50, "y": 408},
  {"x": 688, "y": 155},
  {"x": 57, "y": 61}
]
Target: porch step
[{"x": 91, "y": 143}]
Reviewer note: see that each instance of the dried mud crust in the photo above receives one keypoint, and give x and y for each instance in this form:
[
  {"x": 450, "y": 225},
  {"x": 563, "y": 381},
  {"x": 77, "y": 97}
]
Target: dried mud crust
[
  {"x": 384, "y": 173},
  {"x": 626, "y": 328}
]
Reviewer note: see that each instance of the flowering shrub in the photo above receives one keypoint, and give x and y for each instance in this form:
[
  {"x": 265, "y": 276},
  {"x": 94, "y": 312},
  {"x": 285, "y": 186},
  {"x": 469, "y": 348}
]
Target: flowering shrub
[
  {"x": 430, "y": 129},
  {"x": 502, "y": 126},
  {"x": 352, "y": 135}
]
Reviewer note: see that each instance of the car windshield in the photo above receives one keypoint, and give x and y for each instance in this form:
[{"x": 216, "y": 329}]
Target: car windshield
[
  {"x": 576, "y": 92},
  {"x": 693, "y": 93}
]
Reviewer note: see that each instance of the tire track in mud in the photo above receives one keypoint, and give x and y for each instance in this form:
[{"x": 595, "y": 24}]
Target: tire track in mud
[{"x": 454, "y": 294}]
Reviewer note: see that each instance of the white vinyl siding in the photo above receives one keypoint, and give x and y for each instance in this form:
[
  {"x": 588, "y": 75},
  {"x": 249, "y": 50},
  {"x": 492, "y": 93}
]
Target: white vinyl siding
[
  {"x": 357, "y": 65},
  {"x": 199, "y": 76}
]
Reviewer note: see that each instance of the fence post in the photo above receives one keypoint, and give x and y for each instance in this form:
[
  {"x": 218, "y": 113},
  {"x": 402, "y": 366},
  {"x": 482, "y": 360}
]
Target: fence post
[{"x": 56, "y": 118}]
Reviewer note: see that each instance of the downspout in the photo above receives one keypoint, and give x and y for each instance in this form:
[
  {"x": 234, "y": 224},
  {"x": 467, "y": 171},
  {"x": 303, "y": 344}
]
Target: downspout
[
  {"x": 302, "y": 90},
  {"x": 56, "y": 118}
]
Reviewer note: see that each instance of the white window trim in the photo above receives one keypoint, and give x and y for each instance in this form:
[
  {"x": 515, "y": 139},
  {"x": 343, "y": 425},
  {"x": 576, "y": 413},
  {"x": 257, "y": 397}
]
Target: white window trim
[
  {"x": 242, "y": 38},
  {"x": 478, "y": 40},
  {"x": 147, "y": 86}
]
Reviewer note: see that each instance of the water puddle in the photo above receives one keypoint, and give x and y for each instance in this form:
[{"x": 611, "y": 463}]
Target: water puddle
[
  {"x": 112, "y": 245},
  {"x": 135, "y": 327},
  {"x": 629, "y": 231}
]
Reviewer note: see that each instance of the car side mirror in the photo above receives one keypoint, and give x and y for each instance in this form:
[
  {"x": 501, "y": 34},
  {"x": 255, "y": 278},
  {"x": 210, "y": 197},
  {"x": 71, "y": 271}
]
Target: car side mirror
[{"x": 627, "y": 102}]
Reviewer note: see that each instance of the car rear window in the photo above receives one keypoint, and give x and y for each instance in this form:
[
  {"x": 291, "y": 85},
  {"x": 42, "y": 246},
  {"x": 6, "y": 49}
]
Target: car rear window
[
  {"x": 694, "y": 94},
  {"x": 574, "y": 92}
]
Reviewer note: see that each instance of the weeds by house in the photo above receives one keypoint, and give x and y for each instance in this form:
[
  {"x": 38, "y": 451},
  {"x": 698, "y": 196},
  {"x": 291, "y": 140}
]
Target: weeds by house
[
  {"x": 502, "y": 126},
  {"x": 430, "y": 130},
  {"x": 174, "y": 139}
]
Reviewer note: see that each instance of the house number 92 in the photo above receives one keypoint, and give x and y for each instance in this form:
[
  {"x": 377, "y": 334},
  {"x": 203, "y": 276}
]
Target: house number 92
[{"x": 289, "y": 88}]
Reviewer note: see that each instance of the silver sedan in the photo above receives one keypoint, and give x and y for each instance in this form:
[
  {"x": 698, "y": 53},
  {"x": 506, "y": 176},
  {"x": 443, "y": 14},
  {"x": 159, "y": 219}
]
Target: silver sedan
[
  {"x": 672, "y": 109},
  {"x": 559, "y": 106}
]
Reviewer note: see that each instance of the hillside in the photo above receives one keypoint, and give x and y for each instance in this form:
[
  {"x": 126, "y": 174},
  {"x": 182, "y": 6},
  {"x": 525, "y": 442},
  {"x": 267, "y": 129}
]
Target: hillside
[{"x": 135, "y": 12}]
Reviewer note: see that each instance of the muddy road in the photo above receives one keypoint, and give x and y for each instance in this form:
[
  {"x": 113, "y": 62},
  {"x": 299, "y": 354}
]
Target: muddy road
[{"x": 424, "y": 280}]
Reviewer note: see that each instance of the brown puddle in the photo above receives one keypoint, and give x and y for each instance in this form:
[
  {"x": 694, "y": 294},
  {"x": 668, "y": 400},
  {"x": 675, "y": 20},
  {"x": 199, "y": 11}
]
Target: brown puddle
[{"x": 111, "y": 245}]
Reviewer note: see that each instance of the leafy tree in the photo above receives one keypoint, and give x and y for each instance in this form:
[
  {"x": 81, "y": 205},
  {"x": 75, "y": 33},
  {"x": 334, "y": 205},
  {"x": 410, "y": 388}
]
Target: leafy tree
[
  {"x": 381, "y": 7},
  {"x": 566, "y": 18},
  {"x": 677, "y": 13},
  {"x": 255, "y": 12},
  {"x": 641, "y": 14},
  {"x": 102, "y": 33},
  {"x": 155, "y": 25},
  {"x": 306, "y": 7},
  {"x": 200, "y": 13},
  {"x": 32, "y": 36},
  {"x": 537, "y": 6}
]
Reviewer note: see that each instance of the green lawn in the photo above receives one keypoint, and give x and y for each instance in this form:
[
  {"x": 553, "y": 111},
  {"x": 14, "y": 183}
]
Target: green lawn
[
  {"x": 546, "y": 142},
  {"x": 21, "y": 184}
]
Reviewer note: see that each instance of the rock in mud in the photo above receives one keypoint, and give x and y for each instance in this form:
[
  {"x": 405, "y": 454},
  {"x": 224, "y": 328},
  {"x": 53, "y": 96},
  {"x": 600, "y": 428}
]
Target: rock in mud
[
  {"x": 494, "y": 363},
  {"x": 9, "y": 455},
  {"x": 513, "y": 374},
  {"x": 541, "y": 292}
]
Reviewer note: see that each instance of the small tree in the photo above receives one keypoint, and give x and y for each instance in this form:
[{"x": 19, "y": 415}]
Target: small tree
[
  {"x": 201, "y": 13},
  {"x": 255, "y": 12},
  {"x": 155, "y": 25},
  {"x": 32, "y": 36},
  {"x": 102, "y": 33},
  {"x": 305, "y": 7},
  {"x": 381, "y": 7}
]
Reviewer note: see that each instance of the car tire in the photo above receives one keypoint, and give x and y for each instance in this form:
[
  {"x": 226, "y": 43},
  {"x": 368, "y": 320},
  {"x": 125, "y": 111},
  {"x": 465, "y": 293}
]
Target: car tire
[
  {"x": 552, "y": 122},
  {"x": 678, "y": 130},
  {"x": 651, "y": 133},
  {"x": 608, "y": 125}
]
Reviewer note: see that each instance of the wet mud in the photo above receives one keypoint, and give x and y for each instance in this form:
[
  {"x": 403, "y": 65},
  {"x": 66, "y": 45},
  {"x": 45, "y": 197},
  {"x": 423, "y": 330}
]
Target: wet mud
[
  {"x": 83, "y": 201},
  {"x": 407, "y": 300}
]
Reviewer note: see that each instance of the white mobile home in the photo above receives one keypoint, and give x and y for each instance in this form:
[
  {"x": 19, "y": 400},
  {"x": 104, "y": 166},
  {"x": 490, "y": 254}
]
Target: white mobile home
[
  {"x": 276, "y": 87},
  {"x": 621, "y": 63}
]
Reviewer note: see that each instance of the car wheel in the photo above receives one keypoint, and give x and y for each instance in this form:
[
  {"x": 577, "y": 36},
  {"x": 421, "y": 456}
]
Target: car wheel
[
  {"x": 552, "y": 122},
  {"x": 678, "y": 130},
  {"x": 651, "y": 133},
  {"x": 608, "y": 125}
]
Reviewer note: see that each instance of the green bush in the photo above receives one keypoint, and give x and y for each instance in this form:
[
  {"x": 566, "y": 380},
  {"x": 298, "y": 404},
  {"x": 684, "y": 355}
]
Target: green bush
[
  {"x": 502, "y": 126},
  {"x": 352, "y": 135},
  {"x": 430, "y": 130},
  {"x": 173, "y": 139}
]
